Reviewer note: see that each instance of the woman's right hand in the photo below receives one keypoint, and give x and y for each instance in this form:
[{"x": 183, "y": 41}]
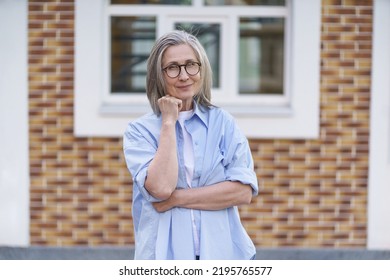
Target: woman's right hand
[{"x": 169, "y": 107}]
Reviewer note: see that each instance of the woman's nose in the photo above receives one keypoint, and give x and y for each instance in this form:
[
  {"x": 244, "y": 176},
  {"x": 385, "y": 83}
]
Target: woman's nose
[{"x": 183, "y": 75}]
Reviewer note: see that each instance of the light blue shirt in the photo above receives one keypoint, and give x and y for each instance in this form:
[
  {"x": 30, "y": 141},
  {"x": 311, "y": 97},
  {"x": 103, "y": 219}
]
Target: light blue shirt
[{"x": 221, "y": 153}]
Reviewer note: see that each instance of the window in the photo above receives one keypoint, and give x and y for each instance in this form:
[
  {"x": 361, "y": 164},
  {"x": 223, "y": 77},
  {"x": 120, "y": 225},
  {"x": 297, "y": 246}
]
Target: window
[
  {"x": 259, "y": 41},
  {"x": 261, "y": 55},
  {"x": 255, "y": 48},
  {"x": 131, "y": 40}
]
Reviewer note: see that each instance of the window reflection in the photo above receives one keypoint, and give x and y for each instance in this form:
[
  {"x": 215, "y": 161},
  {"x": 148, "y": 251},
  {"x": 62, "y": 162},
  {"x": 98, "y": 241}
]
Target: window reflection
[
  {"x": 261, "y": 55},
  {"x": 132, "y": 39}
]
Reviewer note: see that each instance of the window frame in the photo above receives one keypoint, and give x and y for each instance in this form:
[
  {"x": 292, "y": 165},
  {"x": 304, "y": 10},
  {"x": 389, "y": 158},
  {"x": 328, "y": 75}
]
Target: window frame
[{"x": 295, "y": 115}]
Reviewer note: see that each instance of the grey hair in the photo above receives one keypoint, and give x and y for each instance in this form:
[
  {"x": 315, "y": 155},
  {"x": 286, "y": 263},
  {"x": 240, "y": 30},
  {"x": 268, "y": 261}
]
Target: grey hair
[{"x": 155, "y": 83}]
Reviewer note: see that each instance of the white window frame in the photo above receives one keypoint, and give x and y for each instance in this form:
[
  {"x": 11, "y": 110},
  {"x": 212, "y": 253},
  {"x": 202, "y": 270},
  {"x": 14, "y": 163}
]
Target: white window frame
[{"x": 293, "y": 115}]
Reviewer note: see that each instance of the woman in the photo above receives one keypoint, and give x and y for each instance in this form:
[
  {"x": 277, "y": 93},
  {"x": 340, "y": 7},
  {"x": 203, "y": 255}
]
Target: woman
[{"x": 191, "y": 165}]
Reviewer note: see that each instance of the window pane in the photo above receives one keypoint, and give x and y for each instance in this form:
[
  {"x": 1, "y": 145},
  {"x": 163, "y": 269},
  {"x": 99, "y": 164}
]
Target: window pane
[
  {"x": 152, "y": 2},
  {"x": 261, "y": 55},
  {"x": 245, "y": 2},
  {"x": 132, "y": 39},
  {"x": 209, "y": 36}
]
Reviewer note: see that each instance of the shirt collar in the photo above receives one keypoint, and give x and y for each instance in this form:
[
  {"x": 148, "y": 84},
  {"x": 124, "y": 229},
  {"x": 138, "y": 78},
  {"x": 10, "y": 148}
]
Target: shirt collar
[{"x": 201, "y": 112}]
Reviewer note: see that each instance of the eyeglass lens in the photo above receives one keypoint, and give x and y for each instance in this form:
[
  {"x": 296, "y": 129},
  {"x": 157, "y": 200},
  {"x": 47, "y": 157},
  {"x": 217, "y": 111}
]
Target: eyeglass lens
[{"x": 192, "y": 68}]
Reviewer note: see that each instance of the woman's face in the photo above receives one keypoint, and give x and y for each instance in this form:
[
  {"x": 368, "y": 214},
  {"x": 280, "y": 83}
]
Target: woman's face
[{"x": 184, "y": 86}]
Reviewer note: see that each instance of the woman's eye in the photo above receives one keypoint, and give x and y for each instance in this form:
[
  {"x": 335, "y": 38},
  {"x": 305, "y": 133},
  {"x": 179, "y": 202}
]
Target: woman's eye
[{"x": 172, "y": 67}]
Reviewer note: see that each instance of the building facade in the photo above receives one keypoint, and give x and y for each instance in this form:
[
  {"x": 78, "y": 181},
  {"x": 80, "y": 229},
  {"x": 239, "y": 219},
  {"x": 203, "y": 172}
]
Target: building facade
[{"x": 63, "y": 185}]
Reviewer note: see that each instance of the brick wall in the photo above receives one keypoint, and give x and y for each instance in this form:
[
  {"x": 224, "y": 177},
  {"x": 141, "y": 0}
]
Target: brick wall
[
  {"x": 80, "y": 188},
  {"x": 313, "y": 192}
]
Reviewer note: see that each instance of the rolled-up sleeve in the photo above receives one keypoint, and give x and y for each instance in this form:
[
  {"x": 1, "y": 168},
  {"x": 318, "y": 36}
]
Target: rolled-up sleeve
[
  {"x": 238, "y": 159},
  {"x": 138, "y": 152}
]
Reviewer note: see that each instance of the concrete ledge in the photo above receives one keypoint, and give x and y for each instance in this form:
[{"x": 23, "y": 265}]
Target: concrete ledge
[
  {"x": 66, "y": 253},
  {"x": 321, "y": 254},
  {"x": 127, "y": 253}
]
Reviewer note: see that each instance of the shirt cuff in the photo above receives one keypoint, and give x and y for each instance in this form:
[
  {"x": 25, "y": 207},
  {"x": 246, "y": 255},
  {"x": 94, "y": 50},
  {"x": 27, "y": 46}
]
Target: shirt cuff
[
  {"x": 245, "y": 176},
  {"x": 139, "y": 182}
]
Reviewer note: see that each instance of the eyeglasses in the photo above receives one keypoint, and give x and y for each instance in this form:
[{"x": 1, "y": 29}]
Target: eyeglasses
[{"x": 174, "y": 70}]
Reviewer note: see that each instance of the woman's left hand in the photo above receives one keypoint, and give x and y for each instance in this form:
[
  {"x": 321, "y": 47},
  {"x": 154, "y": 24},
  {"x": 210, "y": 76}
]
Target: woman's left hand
[{"x": 164, "y": 205}]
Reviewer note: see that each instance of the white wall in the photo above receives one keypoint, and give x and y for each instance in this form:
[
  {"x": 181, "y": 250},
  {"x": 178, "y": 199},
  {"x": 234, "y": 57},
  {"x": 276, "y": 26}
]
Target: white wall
[
  {"x": 14, "y": 174},
  {"x": 379, "y": 172}
]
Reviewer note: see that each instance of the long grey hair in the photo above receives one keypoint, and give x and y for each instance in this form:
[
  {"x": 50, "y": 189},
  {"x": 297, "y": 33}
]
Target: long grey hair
[{"x": 155, "y": 83}]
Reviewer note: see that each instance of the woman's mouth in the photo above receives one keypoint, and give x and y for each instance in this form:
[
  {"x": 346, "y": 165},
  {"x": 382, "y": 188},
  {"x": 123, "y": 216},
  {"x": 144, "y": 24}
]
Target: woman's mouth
[{"x": 184, "y": 87}]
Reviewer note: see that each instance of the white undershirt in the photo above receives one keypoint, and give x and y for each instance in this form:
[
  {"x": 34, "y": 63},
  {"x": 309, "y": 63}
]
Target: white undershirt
[{"x": 188, "y": 153}]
